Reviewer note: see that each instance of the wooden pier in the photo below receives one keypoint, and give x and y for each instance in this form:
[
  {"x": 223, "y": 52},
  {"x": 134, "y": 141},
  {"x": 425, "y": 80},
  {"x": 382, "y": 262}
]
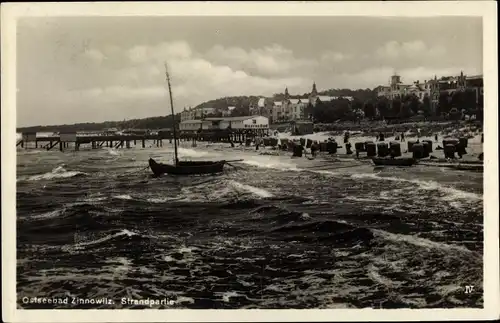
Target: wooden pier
[{"x": 77, "y": 141}]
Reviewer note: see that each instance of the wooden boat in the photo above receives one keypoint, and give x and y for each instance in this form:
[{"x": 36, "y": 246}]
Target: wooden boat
[
  {"x": 394, "y": 161},
  {"x": 184, "y": 167},
  {"x": 187, "y": 167}
]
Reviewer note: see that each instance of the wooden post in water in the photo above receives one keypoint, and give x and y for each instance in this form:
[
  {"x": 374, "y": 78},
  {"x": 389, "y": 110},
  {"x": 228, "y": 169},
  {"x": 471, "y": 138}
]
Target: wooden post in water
[
  {"x": 143, "y": 143},
  {"x": 128, "y": 144},
  {"x": 60, "y": 145}
]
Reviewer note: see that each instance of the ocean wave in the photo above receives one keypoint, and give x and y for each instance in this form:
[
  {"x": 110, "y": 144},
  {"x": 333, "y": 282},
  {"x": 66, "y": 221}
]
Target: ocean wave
[
  {"x": 123, "y": 197},
  {"x": 451, "y": 194},
  {"x": 120, "y": 234},
  {"x": 48, "y": 215},
  {"x": 58, "y": 172},
  {"x": 423, "y": 243},
  {"x": 252, "y": 189},
  {"x": 113, "y": 152},
  {"x": 270, "y": 163}
]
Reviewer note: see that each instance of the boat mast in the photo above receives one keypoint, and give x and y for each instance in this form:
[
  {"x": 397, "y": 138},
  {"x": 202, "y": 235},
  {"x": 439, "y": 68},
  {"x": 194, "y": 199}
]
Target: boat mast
[{"x": 173, "y": 115}]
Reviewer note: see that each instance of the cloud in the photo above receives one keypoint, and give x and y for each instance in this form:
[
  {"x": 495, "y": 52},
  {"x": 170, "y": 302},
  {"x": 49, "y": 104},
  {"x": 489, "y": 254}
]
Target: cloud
[
  {"x": 196, "y": 78},
  {"x": 110, "y": 82},
  {"x": 333, "y": 57},
  {"x": 274, "y": 60},
  {"x": 412, "y": 49},
  {"x": 93, "y": 55},
  {"x": 159, "y": 53}
]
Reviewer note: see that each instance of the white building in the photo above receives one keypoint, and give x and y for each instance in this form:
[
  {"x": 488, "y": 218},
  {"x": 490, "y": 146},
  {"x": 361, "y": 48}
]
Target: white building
[
  {"x": 296, "y": 109},
  {"x": 190, "y": 125},
  {"x": 245, "y": 122}
]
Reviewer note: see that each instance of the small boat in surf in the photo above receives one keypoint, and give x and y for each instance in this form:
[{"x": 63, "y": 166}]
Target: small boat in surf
[
  {"x": 407, "y": 162},
  {"x": 185, "y": 167}
]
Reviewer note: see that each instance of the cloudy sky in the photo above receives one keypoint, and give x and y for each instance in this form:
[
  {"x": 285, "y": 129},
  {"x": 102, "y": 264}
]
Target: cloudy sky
[{"x": 92, "y": 69}]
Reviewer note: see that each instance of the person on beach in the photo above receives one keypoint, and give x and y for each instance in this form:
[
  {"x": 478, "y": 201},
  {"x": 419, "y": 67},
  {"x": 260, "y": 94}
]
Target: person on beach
[
  {"x": 346, "y": 137},
  {"x": 348, "y": 148},
  {"x": 314, "y": 148},
  {"x": 436, "y": 137},
  {"x": 257, "y": 143},
  {"x": 298, "y": 150},
  {"x": 402, "y": 136}
]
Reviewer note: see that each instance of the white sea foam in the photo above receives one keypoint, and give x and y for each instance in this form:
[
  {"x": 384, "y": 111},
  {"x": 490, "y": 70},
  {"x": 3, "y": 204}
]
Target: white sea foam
[
  {"x": 95, "y": 199},
  {"x": 252, "y": 189},
  {"x": 183, "y": 299},
  {"x": 451, "y": 193},
  {"x": 226, "y": 297},
  {"x": 49, "y": 215},
  {"x": 103, "y": 239},
  {"x": 123, "y": 197},
  {"x": 58, "y": 172},
  {"x": 422, "y": 242},
  {"x": 269, "y": 163},
  {"x": 161, "y": 199},
  {"x": 113, "y": 152}
]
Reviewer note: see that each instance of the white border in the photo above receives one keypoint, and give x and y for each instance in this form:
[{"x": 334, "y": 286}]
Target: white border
[{"x": 12, "y": 11}]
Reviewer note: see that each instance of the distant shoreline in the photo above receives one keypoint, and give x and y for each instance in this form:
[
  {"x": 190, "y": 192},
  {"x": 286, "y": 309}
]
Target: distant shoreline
[{"x": 365, "y": 126}]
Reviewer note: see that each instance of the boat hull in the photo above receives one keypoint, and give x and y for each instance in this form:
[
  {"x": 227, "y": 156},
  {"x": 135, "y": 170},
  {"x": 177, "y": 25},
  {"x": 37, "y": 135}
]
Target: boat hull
[
  {"x": 187, "y": 167},
  {"x": 407, "y": 162}
]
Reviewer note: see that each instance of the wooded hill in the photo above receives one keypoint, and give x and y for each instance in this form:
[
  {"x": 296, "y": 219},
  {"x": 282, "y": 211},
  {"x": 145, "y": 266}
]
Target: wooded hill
[{"x": 241, "y": 103}]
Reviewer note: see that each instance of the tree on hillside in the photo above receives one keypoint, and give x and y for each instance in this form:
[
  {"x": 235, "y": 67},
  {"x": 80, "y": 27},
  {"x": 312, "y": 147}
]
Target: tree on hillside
[
  {"x": 240, "y": 111},
  {"x": 383, "y": 106},
  {"x": 340, "y": 110},
  {"x": 411, "y": 105},
  {"x": 444, "y": 105},
  {"x": 319, "y": 112},
  {"x": 369, "y": 109},
  {"x": 426, "y": 106},
  {"x": 395, "y": 107},
  {"x": 309, "y": 111}
]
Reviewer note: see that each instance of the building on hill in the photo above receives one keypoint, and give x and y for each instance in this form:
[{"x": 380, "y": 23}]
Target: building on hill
[
  {"x": 432, "y": 88},
  {"x": 263, "y": 107},
  {"x": 290, "y": 109},
  {"x": 475, "y": 83},
  {"x": 196, "y": 113}
]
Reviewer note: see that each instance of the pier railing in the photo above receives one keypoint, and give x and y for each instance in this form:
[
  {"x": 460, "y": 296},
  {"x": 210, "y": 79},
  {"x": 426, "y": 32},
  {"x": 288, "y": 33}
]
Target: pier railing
[{"x": 76, "y": 140}]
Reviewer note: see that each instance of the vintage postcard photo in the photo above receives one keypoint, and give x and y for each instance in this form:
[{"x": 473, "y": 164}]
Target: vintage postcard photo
[{"x": 291, "y": 161}]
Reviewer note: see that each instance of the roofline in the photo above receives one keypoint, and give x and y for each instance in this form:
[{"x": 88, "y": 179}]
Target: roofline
[{"x": 191, "y": 121}]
